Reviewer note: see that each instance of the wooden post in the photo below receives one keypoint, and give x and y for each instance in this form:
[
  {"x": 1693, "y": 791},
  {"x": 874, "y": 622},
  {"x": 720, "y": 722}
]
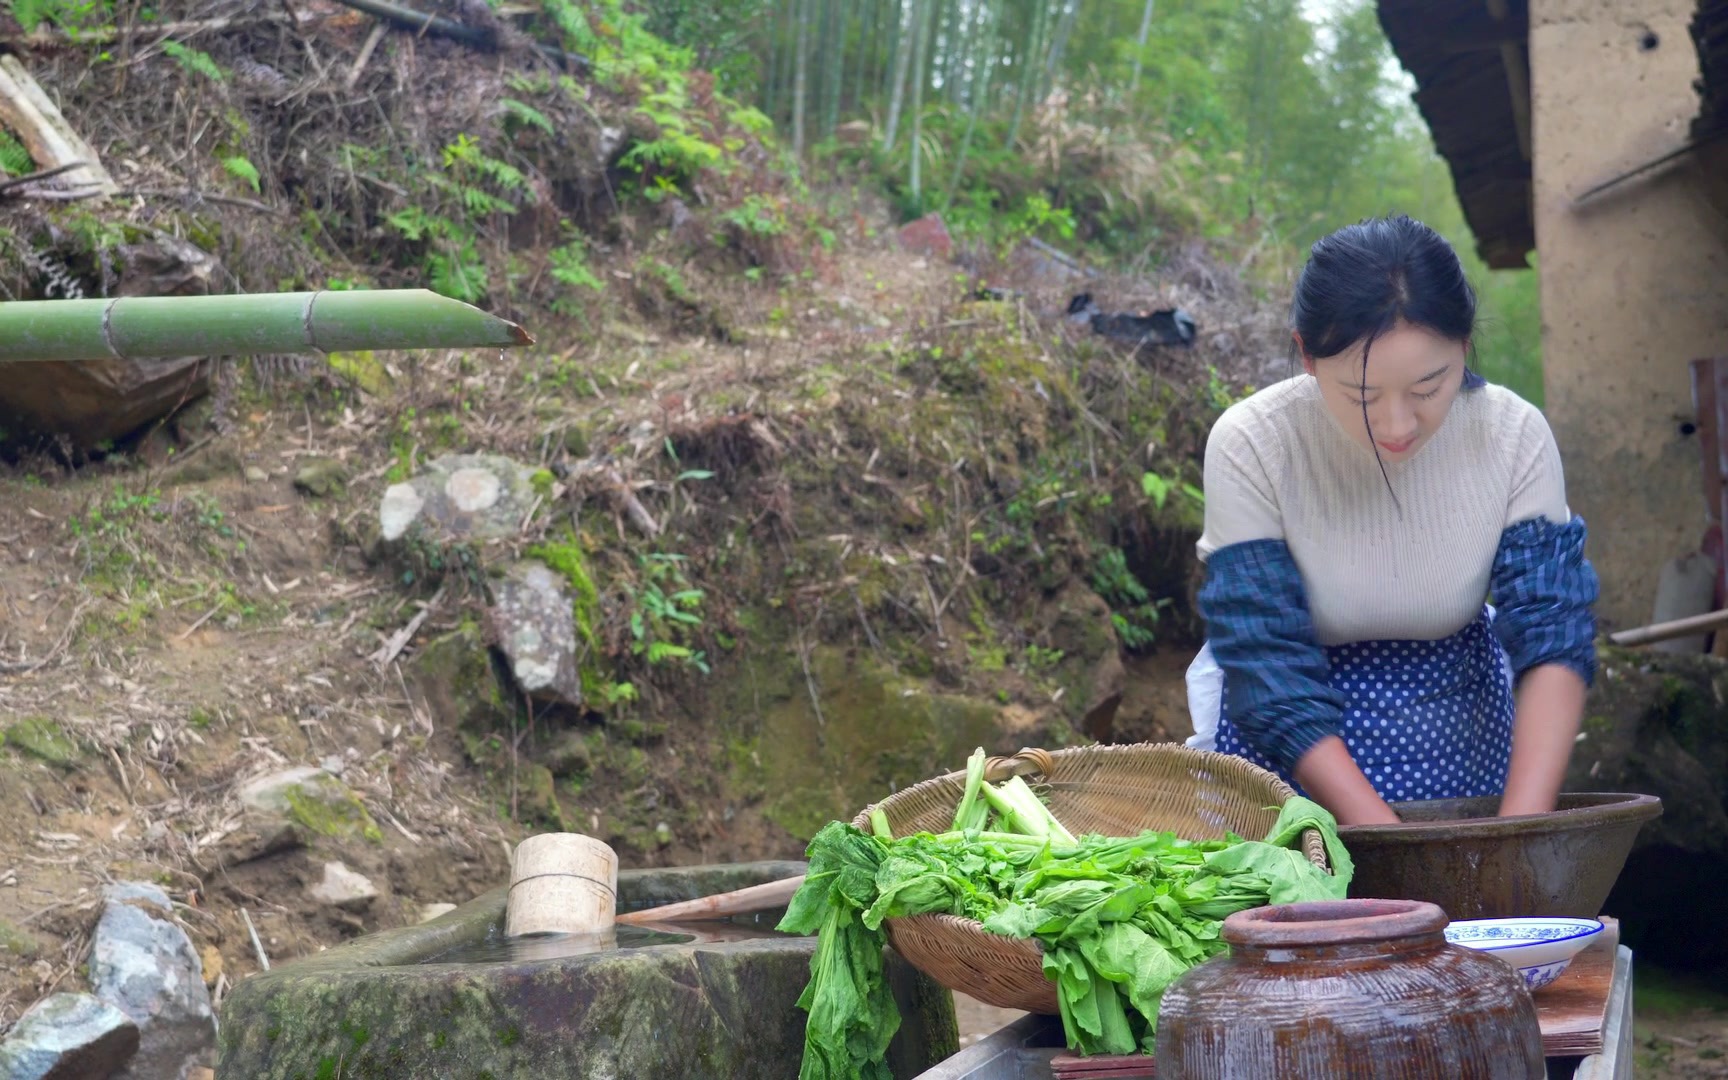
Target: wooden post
[{"x": 562, "y": 883}]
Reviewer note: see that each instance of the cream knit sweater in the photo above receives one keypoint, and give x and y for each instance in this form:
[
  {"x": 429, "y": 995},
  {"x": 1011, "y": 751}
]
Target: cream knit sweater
[{"x": 1375, "y": 568}]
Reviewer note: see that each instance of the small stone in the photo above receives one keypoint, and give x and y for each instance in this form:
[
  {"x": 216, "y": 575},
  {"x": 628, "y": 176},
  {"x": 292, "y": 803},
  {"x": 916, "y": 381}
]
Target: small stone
[
  {"x": 575, "y": 442},
  {"x": 146, "y": 967},
  {"x": 344, "y": 888},
  {"x": 402, "y": 504},
  {"x": 322, "y": 477},
  {"x": 68, "y": 1037},
  {"x": 927, "y": 236},
  {"x": 434, "y": 911},
  {"x": 255, "y": 475},
  {"x": 473, "y": 490}
]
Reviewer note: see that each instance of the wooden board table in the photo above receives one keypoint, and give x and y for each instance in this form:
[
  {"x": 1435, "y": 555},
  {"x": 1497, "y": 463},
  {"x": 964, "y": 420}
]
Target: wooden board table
[
  {"x": 1586, "y": 1015},
  {"x": 1573, "y": 1010}
]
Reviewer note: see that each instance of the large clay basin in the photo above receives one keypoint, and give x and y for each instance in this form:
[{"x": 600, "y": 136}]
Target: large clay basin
[{"x": 1457, "y": 854}]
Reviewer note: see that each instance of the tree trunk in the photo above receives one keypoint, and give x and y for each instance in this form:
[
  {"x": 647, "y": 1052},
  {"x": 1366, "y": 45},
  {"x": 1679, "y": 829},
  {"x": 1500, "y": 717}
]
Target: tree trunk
[
  {"x": 1035, "y": 33},
  {"x": 1140, "y": 49},
  {"x": 1064, "y": 28},
  {"x": 774, "y": 87},
  {"x": 837, "y": 67},
  {"x": 801, "y": 80},
  {"x": 902, "y": 66},
  {"x": 979, "y": 94},
  {"x": 869, "y": 33},
  {"x": 921, "y": 12}
]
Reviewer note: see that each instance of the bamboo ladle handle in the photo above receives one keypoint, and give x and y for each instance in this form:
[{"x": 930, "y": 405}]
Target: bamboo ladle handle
[{"x": 764, "y": 897}]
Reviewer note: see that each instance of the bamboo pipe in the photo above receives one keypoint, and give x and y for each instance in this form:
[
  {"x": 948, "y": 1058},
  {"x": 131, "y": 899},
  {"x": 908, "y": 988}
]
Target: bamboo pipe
[
  {"x": 763, "y": 897},
  {"x": 1677, "y": 628},
  {"x": 167, "y": 326}
]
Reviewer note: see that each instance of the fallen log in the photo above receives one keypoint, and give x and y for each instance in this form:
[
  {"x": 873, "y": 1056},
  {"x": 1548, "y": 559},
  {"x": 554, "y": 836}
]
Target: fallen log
[{"x": 455, "y": 31}]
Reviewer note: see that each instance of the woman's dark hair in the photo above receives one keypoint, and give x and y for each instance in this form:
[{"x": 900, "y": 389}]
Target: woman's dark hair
[{"x": 1363, "y": 279}]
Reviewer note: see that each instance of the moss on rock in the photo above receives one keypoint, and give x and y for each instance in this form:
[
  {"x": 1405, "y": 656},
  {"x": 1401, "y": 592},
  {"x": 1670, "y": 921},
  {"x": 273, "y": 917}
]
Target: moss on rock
[
  {"x": 876, "y": 732},
  {"x": 462, "y": 686},
  {"x": 327, "y": 807},
  {"x": 42, "y": 738},
  {"x": 699, "y": 1012}
]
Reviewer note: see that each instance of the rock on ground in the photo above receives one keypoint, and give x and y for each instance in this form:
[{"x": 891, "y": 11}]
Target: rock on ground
[
  {"x": 68, "y": 1037},
  {"x": 536, "y": 631},
  {"x": 321, "y": 478},
  {"x": 460, "y": 497},
  {"x": 344, "y": 888},
  {"x": 310, "y": 798},
  {"x": 144, "y": 965}
]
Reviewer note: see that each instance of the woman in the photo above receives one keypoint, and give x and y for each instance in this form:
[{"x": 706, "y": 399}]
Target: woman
[{"x": 1358, "y": 517}]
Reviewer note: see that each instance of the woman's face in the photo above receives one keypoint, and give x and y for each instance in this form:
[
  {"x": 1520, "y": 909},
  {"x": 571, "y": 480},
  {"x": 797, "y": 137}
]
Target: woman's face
[{"x": 1413, "y": 377}]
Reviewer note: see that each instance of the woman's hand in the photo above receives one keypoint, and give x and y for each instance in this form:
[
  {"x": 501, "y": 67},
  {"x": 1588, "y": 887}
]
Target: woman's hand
[
  {"x": 1544, "y": 729},
  {"x": 1332, "y": 777}
]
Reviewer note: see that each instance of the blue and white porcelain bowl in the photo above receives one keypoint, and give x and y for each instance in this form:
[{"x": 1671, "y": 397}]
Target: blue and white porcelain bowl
[{"x": 1539, "y": 948}]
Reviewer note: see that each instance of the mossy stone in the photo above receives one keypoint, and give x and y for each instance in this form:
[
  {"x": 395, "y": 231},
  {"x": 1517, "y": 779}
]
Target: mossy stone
[
  {"x": 327, "y": 807},
  {"x": 42, "y": 738},
  {"x": 322, "y": 478}
]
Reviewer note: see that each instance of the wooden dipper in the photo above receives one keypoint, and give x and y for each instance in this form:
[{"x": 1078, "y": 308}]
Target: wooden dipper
[{"x": 562, "y": 883}]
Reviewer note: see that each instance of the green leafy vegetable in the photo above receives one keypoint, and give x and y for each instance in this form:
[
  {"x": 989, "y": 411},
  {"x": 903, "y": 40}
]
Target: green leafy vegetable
[
  {"x": 1118, "y": 918},
  {"x": 852, "y": 1012}
]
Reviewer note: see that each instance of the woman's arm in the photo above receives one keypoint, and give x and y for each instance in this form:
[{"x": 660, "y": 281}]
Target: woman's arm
[
  {"x": 1550, "y": 706},
  {"x": 1544, "y": 593},
  {"x": 1329, "y": 774}
]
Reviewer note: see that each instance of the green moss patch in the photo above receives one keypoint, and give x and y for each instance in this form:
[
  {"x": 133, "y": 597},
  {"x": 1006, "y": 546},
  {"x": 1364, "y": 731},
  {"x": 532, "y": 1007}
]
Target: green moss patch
[{"x": 41, "y": 738}]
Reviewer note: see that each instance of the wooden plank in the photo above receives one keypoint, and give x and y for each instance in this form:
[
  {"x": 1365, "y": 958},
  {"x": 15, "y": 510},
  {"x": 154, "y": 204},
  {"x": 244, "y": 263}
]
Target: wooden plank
[
  {"x": 1615, "y": 1060},
  {"x": 1574, "y": 1010}
]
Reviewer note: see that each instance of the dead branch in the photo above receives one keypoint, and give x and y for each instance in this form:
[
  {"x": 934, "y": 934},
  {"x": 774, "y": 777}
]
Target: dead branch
[
  {"x": 103, "y": 35},
  {"x": 19, "y": 667},
  {"x": 43, "y": 130},
  {"x": 43, "y": 174},
  {"x": 197, "y": 196},
  {"x": 467, "y": 35},
  {"x": 400, "y": 639}
]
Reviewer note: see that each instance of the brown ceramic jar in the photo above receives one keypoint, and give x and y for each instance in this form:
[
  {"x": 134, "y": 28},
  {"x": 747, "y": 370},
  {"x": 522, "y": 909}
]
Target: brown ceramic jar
[{"x": 1363, "y": 989}]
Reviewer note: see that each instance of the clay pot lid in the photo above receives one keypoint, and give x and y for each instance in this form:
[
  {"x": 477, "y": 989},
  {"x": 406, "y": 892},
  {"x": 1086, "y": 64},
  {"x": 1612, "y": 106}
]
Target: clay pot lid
[{"x": 1333, "y": 922}]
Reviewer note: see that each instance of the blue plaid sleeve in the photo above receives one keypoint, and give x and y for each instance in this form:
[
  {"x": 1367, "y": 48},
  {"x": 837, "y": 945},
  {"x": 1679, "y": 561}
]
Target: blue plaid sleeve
[
  {"x": 1544, "y": 593},
  {"x": 1276, "y": 691}
]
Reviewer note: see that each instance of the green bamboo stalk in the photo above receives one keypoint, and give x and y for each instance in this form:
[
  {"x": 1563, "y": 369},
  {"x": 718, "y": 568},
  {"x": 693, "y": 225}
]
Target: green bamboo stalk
[{"x": 162, "y": 326}]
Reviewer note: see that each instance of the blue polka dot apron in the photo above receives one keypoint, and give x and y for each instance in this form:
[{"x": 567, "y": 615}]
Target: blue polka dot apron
[{"x": 1425, "y": 719}]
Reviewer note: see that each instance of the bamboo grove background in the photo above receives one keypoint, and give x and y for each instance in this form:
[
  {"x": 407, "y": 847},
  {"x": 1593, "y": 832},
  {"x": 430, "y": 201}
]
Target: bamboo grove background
[{"x": 1116, "y": 124}]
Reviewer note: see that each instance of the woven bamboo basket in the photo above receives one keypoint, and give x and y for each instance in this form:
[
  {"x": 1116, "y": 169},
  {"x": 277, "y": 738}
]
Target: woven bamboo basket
[{"x": 1106, "y": 790}]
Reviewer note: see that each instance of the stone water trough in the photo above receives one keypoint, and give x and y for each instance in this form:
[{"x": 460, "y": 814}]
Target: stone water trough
[{"x": 720, "y": 1005}]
